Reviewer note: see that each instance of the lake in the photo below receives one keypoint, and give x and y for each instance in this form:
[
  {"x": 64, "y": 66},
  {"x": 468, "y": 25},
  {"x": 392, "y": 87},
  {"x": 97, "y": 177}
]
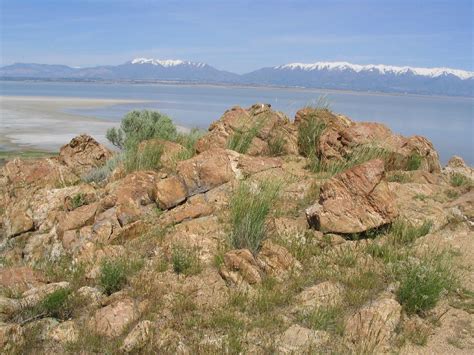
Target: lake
[{"x": 446, "y": 121}]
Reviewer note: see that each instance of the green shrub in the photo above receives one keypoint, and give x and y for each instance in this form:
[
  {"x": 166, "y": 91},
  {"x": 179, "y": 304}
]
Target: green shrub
[
  {"x": 185, "y": 261},
  {"x": 188, "y": 141},
  {"x": 276, "y": 146},
  {"x": 458, "y": 180},
  {"x": 249, "y": 208},
  {"x": 309, "y": 132},
  {"x": 241, "y": 140},
  {"x": 114, "y": 273},
  {"x": 403, "y": 232},
  {"x": 138, "y": 126},
  {"x": 423, "y": 283},
  {"x": 148, "y": 157},
  {"x": 57, "y": 304},
  {"x": 414, "y": 161},
  {"x": 78, "y": 200}
]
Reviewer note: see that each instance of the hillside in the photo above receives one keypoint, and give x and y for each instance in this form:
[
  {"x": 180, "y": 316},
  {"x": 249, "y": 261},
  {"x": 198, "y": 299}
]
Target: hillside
[{"x": 261, "y": 235}]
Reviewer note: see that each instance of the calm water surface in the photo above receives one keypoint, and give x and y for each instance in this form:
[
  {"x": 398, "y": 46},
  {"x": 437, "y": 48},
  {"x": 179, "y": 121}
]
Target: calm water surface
[{"x": 447, "y": 121}]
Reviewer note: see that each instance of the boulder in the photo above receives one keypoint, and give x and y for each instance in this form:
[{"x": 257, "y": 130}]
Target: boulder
[
  {"x": 354, "y": 201},
  {"x": 64, "y": 333},
  {"x": 20, "y": 279},
  {"x": 371, "y": 329},
  {"x": 138, "y": 337},
  {"x": 112, "y": 320},
  {"x": 239, "y": 266},
  {"x": 77, "y": 218},
  {"x": 83, "y": 153},
  {"x": 299, "y": 340},
  {"x": 275, "y": 260},
  {"x": 323, "y": 295},
  {"x": 170, "y": 192},
  {"x": 270, "y": 125},
  {"x": 12, "y": 338}
]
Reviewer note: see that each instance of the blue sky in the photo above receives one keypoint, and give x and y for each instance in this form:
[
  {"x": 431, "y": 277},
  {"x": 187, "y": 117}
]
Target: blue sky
[{"x": 239, "y": 36}]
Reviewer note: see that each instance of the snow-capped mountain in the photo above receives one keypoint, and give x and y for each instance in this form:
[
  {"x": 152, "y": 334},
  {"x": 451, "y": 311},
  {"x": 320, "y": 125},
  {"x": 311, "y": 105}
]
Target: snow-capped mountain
[
  {"x": 347, "y": 76},
  {"x": 324, "y": 75}
]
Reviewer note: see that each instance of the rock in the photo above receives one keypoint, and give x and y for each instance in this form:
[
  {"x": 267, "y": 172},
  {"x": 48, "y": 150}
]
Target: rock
[
  {"x": 78, "y": 218},
  {"x": 170, "y": 151},
  {"x": 35, "y": 295},
  {"x": 323, "y": 295},
  {"x": 299, "y": 340},
  {"x": 17, "y": 220},
  {"x": 275, "y": 260},
  {"x": 456, "y": 162},
  {"x": 83, "y": 153},
  {"x": 20, "y": 279},
  {"x": 12, "y": 338},
  {"x": 208, "y": 170},
  {"x": 64, "y": 333},
  {"x": 252, "y": 165},
  {"x": 197, "y": 206},
  {"x": 112, "y": 320},
  {"x": 170, "y": 192},
  {"x": 239, "y": 266},
  {"x": 91, "y": 295},
  {"x": 456, "y": 165},
  {"x": 354, "y": 201},
  {"x": 372, "y": 328},
  {"x": 270, "y": 125},
  {"x": 138, "y": 337}
]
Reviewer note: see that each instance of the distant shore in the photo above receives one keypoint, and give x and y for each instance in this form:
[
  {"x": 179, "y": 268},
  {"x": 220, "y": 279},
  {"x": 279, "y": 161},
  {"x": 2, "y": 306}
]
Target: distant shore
[{"x": 39, "y": 122}]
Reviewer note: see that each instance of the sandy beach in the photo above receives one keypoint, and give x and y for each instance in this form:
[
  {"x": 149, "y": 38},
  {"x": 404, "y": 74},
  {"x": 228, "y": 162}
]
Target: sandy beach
[{"x": 39, "y": 123}]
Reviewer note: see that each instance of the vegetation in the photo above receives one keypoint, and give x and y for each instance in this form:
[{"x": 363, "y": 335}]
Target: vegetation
[
  {"x": 414, "y": 161},
  {"x": 102, "y": 173},
  {"x": 458, "y": 180},
  {"x": 309, "y": 132},
  {"x": 249, "y": 208},
  {"x": 276, "y": 146},
  {"x": 323, "y": 318},
  {"x": 404, "y": 232},
  {"x": 115, "y": 272},
  {"x": 399, "y": 177},
  {"x": 422, "y": 283},
  {"x": 185, "y": 261},
  {"x": 78, "y": 200},
  {"x": 242, "y": 138},
  {"x": 143, "y": 157}
]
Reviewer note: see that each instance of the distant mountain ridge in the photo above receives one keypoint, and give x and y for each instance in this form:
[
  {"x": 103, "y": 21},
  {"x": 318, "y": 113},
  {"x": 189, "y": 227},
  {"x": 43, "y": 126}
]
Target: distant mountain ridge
[{"x": 324, "y": 75}]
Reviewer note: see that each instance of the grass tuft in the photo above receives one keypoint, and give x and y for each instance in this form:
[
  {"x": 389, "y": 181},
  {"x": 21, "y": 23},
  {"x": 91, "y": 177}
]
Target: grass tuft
[
  {"x": 414, "y": 161},
  {"x": 403, "y": 232},
  {"x": 457, "y": 180},
  {"x": 114, "y": 273},
  {"x": 185, "y": 261},
  {"x": 242, "y": 138},
  {"x": 249, "y": 208},
  {"x": 78, "y": 200}
]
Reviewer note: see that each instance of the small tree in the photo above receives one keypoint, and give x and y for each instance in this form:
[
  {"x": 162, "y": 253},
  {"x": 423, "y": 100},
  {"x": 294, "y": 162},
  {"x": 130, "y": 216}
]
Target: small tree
[{"x": 138, "y": 126}]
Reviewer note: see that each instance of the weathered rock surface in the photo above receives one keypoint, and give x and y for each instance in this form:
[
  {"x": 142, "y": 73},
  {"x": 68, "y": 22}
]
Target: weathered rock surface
[
  {"x": 272, "y": 125},
  {"x": 354, "y": 201},
  {"x": 20, "y": 279},
  {"x": 111, "y": 320},
  {"x": 138, "y": 337},
  {"x": 83, "y": 153},
  {"x": 299, "y": 340}
]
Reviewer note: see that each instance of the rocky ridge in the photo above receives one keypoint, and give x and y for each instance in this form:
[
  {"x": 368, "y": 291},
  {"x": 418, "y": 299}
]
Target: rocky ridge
[{"x": 316, "y": 283}]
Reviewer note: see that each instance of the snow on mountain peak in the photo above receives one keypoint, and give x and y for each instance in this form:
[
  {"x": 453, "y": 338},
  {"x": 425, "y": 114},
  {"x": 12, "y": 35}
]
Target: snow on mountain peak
[
  {"x": 382, "y": 69},
  {"x": 166, "y": 63}
]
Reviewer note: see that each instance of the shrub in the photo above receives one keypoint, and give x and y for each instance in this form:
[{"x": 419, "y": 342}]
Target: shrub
[
  {"x": 148, "y": 157},
  {"x": 57, "y": 304},
  {"x": 185, "y": 261},
  {"x": 458, "y": 179},
  {"x": 423, "y": 283},
  {"x": 414, "y": 161},
  {"x": 403, "y": 232},
  {"x": 138, "y": 126},
  {"x": 102, "y": 173},
  {"x": 241, "y": 140},
  {"x": 276, "y": 146},
  {"x": 114, "y": 273},
  {"x": 249, "y": 208},
  {"x": 309, "y": 132},
  {"x": 78, "y": 200},
  {"x": 188, "y": 141}
]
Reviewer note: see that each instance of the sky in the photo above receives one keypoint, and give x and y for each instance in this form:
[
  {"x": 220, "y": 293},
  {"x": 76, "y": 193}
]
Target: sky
[{"x": 238, "y": 36}]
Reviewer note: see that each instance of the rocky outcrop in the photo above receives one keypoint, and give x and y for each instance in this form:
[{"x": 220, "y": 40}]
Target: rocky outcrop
[
  {"x": 111, "y": 320},
  {"x": 299, "y": 340},
  {"x": 20, "y": 279},
  {"x": 268, "y": 124},
  {"x": 82, "y": 154},
  {"x": 354, "y": 201}
]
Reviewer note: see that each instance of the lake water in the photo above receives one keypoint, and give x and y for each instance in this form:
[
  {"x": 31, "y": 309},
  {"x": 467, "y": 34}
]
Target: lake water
[{"x": 447, "y": 121}]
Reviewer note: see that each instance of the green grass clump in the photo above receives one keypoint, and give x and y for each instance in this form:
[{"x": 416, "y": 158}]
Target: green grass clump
[
  {"x": 414, "y": 161},
  {"x": 249, "y": 208},
  {"x": 309, "y": 132},
  {"x": 323, "y": 318},
  {"x": 57, "y": 304},
  {"x": 78, "y": 200},
  {"x": 276, "y": 146},
  {"x": 188, "y": 141},
  {"x": 114, "y": 273},
  {"x": 185, "y": 261},
  {"x": 148, "y": 157},
  {"x": 457, "y": 180},
  {"x": 241, "y": 140},
  {"x": 423, "y": 283},
  {"x": 403, "y": 232}
]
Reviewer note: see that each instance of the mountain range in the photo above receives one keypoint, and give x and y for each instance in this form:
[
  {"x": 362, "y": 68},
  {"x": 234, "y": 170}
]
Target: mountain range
[{"x": 324, "y": 75}]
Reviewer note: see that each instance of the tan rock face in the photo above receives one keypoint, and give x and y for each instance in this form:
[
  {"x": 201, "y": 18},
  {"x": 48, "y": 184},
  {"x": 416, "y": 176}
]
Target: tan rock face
[
  {"x": 275, "y": 260},
  {"x": 138, "y": 337},
  {"x": 272, "y": 125},
  {"x": 111, "y": 320},
  {"x": 372, "y": 328},
  {"x": 300, "y": 340},
  {"x": 170, "y": 192},
  {"x": 83, "y": 153},
  {"x": 20, "y": 278},
  {"x": 240, "y": 265},
  {"x": 12, "y": 338},
  {"x": 324, "y": 294},
  {"x": 77, "y": 218},
  {"x": 354, "y": 201}
]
